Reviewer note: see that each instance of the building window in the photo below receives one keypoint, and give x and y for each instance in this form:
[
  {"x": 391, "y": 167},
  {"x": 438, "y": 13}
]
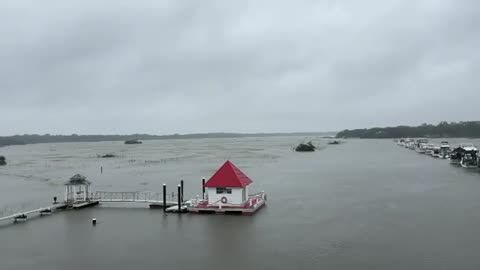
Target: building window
[{"x": 224, "y": 190}]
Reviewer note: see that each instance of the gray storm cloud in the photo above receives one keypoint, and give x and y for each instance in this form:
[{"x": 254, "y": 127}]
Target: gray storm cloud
[{"x": 239, "y": 66}]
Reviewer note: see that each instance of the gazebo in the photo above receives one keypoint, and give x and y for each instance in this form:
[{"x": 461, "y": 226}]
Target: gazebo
[{"x": 77, "y": 189}]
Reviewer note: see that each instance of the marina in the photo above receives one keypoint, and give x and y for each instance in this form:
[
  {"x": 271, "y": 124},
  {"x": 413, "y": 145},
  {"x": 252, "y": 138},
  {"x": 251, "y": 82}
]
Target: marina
[{"x": 466, "y": 154}]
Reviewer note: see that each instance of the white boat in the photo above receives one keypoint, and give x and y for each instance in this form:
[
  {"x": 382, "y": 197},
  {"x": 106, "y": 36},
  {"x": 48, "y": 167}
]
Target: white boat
[
  {"x": 411, "y": 146},
  {"x": 174, "y": 209},
  {"x": 408, "y": 142},
  {"x": 470, "y": 156},
  {"x": 444, "y": 150},
  {"x": 183, "y": 206},
  {"x": 429, "y": 148},
  {"x": 435, "y": 152},
  {"x": 420, "y": 145}
]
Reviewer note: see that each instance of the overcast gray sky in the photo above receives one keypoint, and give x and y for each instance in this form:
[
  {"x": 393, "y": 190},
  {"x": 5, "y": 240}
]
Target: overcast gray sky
[{"x": 161, "y": 67}]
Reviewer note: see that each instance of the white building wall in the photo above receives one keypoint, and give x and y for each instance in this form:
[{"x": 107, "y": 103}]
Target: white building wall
[{"x": 234, "y": 198}]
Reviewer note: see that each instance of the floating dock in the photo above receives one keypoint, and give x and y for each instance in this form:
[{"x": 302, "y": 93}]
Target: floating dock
[
  {"x": 24, "y": 215},
  {"x": 250, "y": 207},
  {"x": 227, "y": 194},
  {"x": 81, "y": 205}
]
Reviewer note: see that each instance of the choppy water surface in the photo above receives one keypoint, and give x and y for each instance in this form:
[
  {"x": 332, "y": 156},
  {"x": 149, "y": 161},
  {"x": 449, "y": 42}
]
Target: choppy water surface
[{"x": 365, "y": 204}]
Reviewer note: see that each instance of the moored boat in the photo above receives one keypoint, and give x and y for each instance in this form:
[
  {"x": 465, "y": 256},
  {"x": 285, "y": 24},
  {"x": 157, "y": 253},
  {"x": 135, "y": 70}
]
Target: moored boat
[
  {"x": 420, "y": 145},
  {"x": 411, "y": 146},
  {"x": 429, "y": 148},
  {"x": 469, "y": 157},
  {"x": 455, "y": 156},
  {"x": 435, "y": 152},
  {"x": 444, "y": 150}
]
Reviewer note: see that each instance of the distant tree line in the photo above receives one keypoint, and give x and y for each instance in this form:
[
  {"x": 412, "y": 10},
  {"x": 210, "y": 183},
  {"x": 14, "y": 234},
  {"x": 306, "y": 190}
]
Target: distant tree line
[
  {"x": 468, "y": 129},
  {"x": 47, "y": 138}
]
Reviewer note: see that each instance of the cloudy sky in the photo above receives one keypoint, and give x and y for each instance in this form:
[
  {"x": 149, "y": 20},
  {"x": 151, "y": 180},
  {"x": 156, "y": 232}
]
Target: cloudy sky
[{"x": 183, "y": 66}]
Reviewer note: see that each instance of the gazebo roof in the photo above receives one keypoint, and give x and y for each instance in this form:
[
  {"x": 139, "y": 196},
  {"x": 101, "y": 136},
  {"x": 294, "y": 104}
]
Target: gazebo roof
[{"x": 78, "y": 179}]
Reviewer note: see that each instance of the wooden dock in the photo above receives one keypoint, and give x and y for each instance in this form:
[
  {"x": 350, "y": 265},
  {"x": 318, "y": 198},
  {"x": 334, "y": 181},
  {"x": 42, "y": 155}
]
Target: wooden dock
[
  {"x": 53, "y": 207},
  {"x": 78, "y": 195},
  {"x": 85, "y": 204},
  {"x": 133, "y": 197},
  {"x": 49, "y": 209}
]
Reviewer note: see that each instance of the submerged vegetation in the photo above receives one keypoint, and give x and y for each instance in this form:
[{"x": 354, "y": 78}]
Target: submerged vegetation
[
  {"x": 107, "y": 156},
  {"x": 305, "y": 147},
  {"x": 133, "y": 142},
  {"x": 469, "y": 129}
]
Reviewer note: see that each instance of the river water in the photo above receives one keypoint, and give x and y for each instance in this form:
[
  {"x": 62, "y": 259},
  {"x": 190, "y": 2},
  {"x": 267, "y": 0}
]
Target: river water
[{"x": 364, "y": 204}]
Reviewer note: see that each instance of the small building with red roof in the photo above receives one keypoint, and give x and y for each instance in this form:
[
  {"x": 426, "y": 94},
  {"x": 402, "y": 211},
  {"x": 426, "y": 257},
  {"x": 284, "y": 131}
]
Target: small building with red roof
[
  {"x": 229, "y": 185},
  {"x": 226, "y": 192}
]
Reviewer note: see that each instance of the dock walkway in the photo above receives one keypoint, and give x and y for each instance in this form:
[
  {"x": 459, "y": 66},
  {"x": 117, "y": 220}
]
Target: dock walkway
[
  {"x": 39, "y": 210},
  {"x": 132, "y": 197}
]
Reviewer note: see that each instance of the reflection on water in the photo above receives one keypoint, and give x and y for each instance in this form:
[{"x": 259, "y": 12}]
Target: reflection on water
[{"x": 365, "y": 204}]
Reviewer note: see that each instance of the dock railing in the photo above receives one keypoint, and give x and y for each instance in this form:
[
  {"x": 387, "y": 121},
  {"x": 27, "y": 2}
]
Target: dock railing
[{"x": 129, "y": 196}]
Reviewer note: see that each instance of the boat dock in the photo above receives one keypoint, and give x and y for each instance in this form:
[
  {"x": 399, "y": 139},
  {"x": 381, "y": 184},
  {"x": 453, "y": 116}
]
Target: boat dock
[
  {"x": 77, "y": 197},
  {"x": 227, "y": 194},
  {"x": 24, "y": 215}
]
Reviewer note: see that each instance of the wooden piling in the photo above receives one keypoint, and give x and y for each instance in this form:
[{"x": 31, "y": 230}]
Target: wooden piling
[
  {"x": 181, "y": 184},
  {"x": 164, "y": 197},
  {"x": 179, "y": 199},
  {"x": 203, "y": 188}
]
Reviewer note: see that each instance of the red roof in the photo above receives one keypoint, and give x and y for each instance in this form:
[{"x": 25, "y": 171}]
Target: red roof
[{"x": 228, "y": 176}]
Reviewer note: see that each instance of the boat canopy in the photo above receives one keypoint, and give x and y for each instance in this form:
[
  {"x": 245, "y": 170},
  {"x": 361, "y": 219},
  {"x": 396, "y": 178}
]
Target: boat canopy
[{"x": 458, "y": 150}]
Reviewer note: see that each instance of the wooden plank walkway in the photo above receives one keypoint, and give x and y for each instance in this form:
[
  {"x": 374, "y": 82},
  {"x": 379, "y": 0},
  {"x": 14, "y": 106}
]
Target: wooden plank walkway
[
  {"x": 52, "y": 207},
  {"x": 154, "y": 199},
  {"x": 134, "y": 197}
]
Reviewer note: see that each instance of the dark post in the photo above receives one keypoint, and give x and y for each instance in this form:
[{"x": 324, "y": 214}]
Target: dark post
[
  {"x": 55, "y": 200},
  {"x": 181, "y": 185},
  {"x": 164, "y": 197},
  {"x": 94, "y": 221},
  {"x": 179, "y": 200},
  {"x": 203, "y": 188}
]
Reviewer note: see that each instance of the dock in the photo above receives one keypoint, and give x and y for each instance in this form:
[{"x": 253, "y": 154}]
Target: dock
[
  {"x": 154, "y": 200},
  {"x": 227, "y": 194},
  {"x": 80, "y": 205},
  {"x": 24, "y": 214},
  {"x": 254, "y": 203}
]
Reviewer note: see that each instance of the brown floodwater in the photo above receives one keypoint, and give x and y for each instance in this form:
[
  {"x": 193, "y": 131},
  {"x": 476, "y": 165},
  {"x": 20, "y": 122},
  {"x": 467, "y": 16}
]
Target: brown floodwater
[{"x": 364, "y": 204}]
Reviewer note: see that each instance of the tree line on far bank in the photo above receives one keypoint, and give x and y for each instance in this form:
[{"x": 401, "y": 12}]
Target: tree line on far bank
[
  {"x": 467, "y": 129},
  {"x": 47, "y": 138}
]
